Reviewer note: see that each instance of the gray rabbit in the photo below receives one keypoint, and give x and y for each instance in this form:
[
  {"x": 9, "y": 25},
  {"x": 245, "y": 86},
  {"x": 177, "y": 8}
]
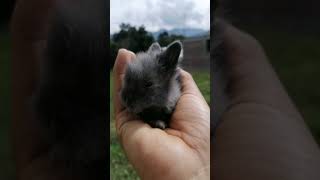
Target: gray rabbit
[{"x": 151, "y": 86}]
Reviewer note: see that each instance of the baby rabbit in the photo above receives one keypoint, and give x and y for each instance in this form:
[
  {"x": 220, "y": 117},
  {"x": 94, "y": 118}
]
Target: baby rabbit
[{"x": 151, "y": 85}]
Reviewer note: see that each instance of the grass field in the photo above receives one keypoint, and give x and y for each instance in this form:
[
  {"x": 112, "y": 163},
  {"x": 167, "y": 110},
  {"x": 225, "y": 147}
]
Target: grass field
[{"x": 120, "y": 169}]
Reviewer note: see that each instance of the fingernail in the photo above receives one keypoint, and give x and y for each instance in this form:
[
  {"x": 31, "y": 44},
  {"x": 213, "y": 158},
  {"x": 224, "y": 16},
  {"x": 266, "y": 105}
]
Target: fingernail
[{"x": 122, "y": 50}]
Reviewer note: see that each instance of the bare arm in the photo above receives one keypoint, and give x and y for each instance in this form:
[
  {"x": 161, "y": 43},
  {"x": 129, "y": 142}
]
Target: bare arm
[{"x": 262, "y": 135}]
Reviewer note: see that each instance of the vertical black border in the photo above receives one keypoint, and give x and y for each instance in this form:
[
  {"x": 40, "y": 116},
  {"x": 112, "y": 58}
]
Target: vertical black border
[{"x": 108, "y": 65}]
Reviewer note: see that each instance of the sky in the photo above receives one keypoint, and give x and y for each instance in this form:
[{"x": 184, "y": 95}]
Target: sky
[{"x": 160, "y": 14}]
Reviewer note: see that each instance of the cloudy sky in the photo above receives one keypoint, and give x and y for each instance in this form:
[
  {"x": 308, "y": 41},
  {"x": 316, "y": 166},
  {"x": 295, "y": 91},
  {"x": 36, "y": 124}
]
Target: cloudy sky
[{"x": 159, "y": 14}]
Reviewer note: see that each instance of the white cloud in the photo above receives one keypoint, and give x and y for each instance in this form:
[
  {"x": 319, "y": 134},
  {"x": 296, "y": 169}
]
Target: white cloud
[{"x": 158, "y": 14}]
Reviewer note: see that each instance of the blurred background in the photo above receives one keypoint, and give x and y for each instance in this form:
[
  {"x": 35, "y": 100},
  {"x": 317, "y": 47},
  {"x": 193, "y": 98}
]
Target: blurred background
[
  {"x": 290, "y": 33},
  {"x": 6, "y": 161},
  {"x": 136, "y": 24}
]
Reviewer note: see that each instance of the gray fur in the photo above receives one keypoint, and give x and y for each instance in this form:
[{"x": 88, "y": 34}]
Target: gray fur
[{"x": 151, "y": 86}]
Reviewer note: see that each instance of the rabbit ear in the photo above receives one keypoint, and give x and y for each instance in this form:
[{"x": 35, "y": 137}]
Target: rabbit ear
[
  {"x": 154, "y": 47},
  {"x": 169, "y": 58}
]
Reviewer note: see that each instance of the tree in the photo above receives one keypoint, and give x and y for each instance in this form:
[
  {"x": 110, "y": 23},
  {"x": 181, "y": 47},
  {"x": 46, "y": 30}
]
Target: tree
[
  {"x": 131, "y": 38},
  {"x": 113, "y": 53},
  {"x": 164, "y": 38}
]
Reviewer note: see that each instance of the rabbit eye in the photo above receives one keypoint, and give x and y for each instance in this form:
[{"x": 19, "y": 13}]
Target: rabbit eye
[{"x": 148, "y": 84}]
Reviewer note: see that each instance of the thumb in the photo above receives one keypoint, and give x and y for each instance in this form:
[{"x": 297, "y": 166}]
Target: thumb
[{"x": 188, "y": 86}]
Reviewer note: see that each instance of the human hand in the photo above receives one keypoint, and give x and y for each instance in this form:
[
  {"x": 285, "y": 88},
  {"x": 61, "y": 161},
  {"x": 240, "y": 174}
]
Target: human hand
[
  {"x": 179, "y": 152},
  {"x": 33, "y": 150},
  {"x": 29, "y": 30},
  {"x": 262, "y": 135}
]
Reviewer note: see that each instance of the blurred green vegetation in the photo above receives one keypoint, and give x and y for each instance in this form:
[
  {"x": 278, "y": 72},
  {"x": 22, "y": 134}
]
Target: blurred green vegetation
[
  {"x": 120, "y": 168},
  {"x": 137, "y": 39},
  {"x": 6, "y": 162},
  {"x": 119, "y": 165}
]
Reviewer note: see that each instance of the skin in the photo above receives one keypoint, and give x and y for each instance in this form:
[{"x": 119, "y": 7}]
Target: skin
[
  {"x": 29, "y": 28},
  {"x": 262, "y": 134},
  {"x": 179, "y": 152}
]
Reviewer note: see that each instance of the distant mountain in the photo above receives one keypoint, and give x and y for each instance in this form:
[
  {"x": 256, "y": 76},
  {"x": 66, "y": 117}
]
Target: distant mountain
[{"x": 187, "y": 32}]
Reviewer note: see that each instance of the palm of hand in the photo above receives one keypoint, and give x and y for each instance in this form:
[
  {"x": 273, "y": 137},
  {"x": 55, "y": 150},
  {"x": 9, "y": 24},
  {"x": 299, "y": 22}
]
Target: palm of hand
[{"x": 174, "y": 153}]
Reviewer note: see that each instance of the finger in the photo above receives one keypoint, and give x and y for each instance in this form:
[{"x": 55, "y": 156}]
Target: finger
[
  {"x": 123, "y": 58},
  {"x": 28, "y": 29},
  {"x": 126, "y": 122},
  {"x": 188, "y": 86}
]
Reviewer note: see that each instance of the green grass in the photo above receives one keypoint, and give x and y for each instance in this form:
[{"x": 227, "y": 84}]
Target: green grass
[
  {"x": 203, "y": 81},
  {"x": 120, "y": 168}
]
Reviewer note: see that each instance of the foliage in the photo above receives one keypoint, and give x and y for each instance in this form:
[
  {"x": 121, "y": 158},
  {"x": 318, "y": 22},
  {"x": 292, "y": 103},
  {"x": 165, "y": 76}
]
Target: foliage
[
  {"x": 113, "y": 53},
  {"x": 137, "y": 39},
  {"x": 130, "y": 37},
  {"x": 164, "y": 38}
]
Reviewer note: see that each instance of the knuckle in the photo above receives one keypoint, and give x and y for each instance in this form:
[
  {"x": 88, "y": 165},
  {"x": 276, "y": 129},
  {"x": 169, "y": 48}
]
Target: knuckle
[
  {"x": 121, "y": 53},
  {"x": 187, "y": 75}
]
